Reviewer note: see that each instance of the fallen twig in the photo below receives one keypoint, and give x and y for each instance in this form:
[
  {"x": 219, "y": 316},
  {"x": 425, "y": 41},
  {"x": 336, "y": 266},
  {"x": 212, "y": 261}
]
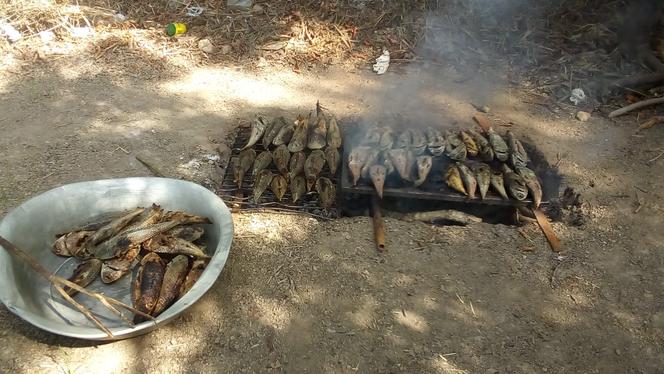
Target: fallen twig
[
  {"x": 638, "y": 105},
  {"x": 639, "y": 202},
  {"x": 448, "y": 215},
  {"x": 153, "y": 169},
  {"x": 639, "y": 80},
  {"x": 652, "y": 160},
  {"x": 651, "y": 122}
]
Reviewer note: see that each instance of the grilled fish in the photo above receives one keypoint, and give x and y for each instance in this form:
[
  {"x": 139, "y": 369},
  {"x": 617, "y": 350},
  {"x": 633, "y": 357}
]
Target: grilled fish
[
  {"x": 483, "y": 146},
  {"x": 518, "y": 155},
  {"x": 318, "y": 134},
  {"x": 326, "y": 191},
  {"x": 176, "y": 272},
  {"x": 533, "y": 184},
  {"x": 188, "y": 233},
  {"x": 399, "y": 158},
  {"x": 244, "y": 162},
  {"x": 483, "y": 175},
  {"x": 471, "y": 146},
  {"x": 168, "y": 244},
  {"x": 69, "y": 244},
  {"x": 279, "y": 185},
  {"x": 405, "y": 139},
  {"x": 468, "y": 178},
  {"x": 455, "y": 147},
  {"x": 411, "y": 163},
  {"x": 120, "y": 244},
  {"x": 515, "y": 184},
  {"x": 356, "y": 159},
  {"x": 435, "y": 141},
  {"x": 272, "y": 131},
  {"x": 298, "y": 187},
  {"x": 378, "y": 174},
  {"x": 424, "y": 164},
  {"x": 333, "y": 134},
  {"x": 453, "y": 179},
  {"x": 263, "y": 180},
  {"x": 497, "y": 182},
  {"x": 386, "y": 139},
  {"x": 296, "y": 164},
  {"x": 84, "y": 274},
  {"x": 147, "y": 284},
  {"x": 257, "y": 129},
  {"x": 281, "y": 156},
  {"x": 371, "y": 137},
  {"x": 299, "y": 139},
  {"x": 197, "y": 269},
  {"x": 185, "y": 218},
  {"x": 500, "y": 149},
  {"x": 114, "y": 227},
  {"x": 332, "y": 158},
  {"x": 387, "y": 162},
  {"x": 372, "y": 159},
  {"x": 313, "y": 166},
  {"x": 418, "y": 141},
  {"x": 284, "y": 135},
  {"x": 114, "y": 269},
  {"x": 263, "y": 160}
]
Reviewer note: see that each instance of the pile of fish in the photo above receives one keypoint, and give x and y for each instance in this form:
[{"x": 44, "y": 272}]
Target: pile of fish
[
  {"x": 161, "y": 243},
  {"x": 477, "y": 161},
  {"x": 300, "y": 150}
]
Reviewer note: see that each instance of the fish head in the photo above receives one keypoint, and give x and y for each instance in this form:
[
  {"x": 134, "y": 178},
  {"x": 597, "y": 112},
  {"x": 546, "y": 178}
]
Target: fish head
[
  {"x": 405, "y": 139},
  {"x": 60, "y": 247},
  {"x": 424, "y": 163}
]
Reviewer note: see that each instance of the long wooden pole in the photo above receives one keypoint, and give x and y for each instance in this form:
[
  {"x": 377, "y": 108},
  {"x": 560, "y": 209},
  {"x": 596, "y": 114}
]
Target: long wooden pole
[{"x": 378, "y": 224}]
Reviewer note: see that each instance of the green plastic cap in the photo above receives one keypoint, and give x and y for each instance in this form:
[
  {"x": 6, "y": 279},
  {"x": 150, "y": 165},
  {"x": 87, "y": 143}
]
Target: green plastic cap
[{"x": 170, "y": 29}]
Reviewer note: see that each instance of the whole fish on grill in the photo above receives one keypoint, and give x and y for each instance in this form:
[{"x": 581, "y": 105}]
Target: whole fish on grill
[
  {"x": 378, "y": 174},
  {"x": 468, "y": 178},
  {"x": 284, "y": 135},
  {"x": 84, "y": 274},
  {"x": 281, "y": 156},
  {"x": 372, "y": 159},
  {"x": 168, "y": 244},
  {"x": 298, "y": 187},
  {"x": 386, "y": 139},
  {"x": 518, "y": 155},
  {"x": 257, "y": 129},
  {"x": 115, "y": 268},
  {"x": 272, "y": 130},
  {"x": 326, "y": 191},
  {"x": 356, "y": 159},
  {"x": 69, "y": 244},
  {"x": 296, "y": 164},
  {"x": 194, "y": 273},
  {"x": 471, "y": 146},
  {"x": 318, "y": 134},
  {"x": 313, "y": 166},
  {"x": 279, "y": 185},
  {"x": 263, "y": 160},
  {"x": 333, "y": 134},
  {"x": 418, "y": 141},
  {"x": 261, "y": 183},
  {"x": 371, "y": 137},
  {"x": 498, "y": 184},
  {"x": 188, "y": 233},
  {"x": 435, "y": 141},
  {"x": 405, "y": 139},
  {"x": 244, "y": 161},
  {"x": 176, "y": 272},
  {"x": 424, "y": 164},
  {"x": 515, "y": 184},
  {"x": 500, "y": 148},
  {"x": 147, "y": 284},
  {"x": 120, "y": 244},
  {"x": 387, "y": 162},
  {"x": 400, "y": 158},
  {"x": 454, "y": 146},
  {"x": 484, "y": 149},
  {"x": 111, "y": 229},
  {"x": 332, "y": 157},
  {"x": 453, "y": 179},
  {"x": 299, "y": 139},
  {"x": 483, "y": 175},
  {"x": 411, "y": 164},
  {"x": 533, "y": 184}
]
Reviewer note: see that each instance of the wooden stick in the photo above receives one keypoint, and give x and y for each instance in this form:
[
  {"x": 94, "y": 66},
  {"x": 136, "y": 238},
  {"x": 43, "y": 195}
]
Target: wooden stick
[
  {"x": 651, "y": 122},
  {"x": 483, "y": 122},
  {"x": 544, "y": 224},
  {"x": 639, "y": 80},
  {"x": 153, "y": 169},
  {"x": 449, "y": 215},
  {"x": 378, "y": 224},
  {"x": 637, "y": 105},
  {"x": 83, "y": 310}
]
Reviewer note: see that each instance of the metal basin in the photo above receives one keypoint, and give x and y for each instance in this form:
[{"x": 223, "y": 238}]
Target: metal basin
[{"x": 33, "y": 225}]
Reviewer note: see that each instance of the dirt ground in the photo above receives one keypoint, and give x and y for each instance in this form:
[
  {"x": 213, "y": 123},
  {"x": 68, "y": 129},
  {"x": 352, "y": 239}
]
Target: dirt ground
[{"x": 301, "y": 295}]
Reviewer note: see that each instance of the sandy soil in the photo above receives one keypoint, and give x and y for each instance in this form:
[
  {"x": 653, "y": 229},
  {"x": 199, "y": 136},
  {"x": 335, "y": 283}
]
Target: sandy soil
[{"x": 300, "y": 295}]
